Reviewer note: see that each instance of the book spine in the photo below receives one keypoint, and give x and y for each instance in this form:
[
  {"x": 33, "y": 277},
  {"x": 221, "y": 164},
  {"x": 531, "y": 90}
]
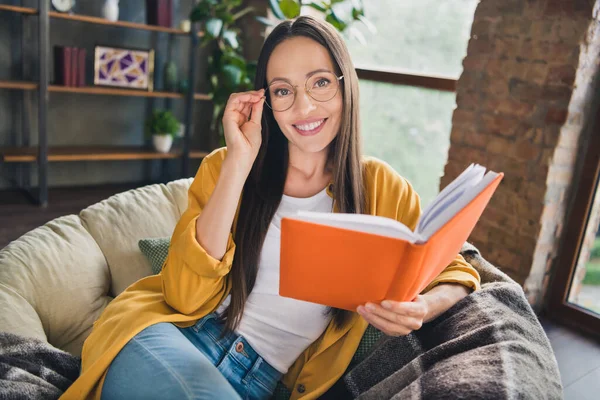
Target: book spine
[
  {"x": 162, "y": 12},
  {"x": 59, "y": 65},
  {"x": 169, "y": 13},
  {"x": 67, "y": 67},
  {"x": 152, "y": 12},
  {"x": 81, "y": 68},
  {"x": 74, "y": 62}
]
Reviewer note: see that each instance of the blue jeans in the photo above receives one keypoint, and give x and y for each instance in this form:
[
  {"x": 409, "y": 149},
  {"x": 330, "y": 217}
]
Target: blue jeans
[{"x": 167, "y": 362}]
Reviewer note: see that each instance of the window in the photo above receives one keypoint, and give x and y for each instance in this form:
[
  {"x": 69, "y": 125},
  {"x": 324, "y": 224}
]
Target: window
[{"x": 409, "y": 127}]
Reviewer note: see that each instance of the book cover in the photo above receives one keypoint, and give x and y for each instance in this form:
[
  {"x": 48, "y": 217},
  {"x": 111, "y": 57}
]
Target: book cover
[
  {"x": 74, "y": 63},
  {"x": 81, "y": 68}
]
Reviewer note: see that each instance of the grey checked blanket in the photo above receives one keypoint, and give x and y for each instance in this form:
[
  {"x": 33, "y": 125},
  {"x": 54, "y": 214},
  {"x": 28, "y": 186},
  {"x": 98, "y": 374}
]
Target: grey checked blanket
[
  {"x": 33, "y": 369},
  {"x": 490, "y": 345}
]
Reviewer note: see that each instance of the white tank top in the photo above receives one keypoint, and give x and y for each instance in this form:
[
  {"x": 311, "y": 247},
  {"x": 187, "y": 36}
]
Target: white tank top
[{"x": 279, "y": 328}]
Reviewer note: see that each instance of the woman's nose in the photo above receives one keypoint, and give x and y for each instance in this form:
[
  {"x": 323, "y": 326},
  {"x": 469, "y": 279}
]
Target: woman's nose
[{"x": 305, "y": 103}]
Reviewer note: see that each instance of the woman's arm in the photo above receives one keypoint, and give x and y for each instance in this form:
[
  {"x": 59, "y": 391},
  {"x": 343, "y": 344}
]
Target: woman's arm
[{"x": 202, "y": 247}]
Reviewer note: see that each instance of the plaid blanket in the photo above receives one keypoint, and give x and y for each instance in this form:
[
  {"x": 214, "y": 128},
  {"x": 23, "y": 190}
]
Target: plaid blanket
[
  {"x": 490, "y": 345},
  {"x": 33, "y": 369}
]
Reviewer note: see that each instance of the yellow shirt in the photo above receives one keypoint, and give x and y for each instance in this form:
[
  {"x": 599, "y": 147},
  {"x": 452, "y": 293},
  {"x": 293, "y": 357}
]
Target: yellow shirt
[{"x": 192, "y": 284}]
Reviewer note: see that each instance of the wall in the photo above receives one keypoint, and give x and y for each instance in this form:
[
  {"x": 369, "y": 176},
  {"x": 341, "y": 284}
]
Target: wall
[{"x": 524, "y": 101}]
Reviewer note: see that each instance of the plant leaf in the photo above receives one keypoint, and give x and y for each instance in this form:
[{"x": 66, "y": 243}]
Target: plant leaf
[
  {"x": 231, "y": 38},
  {"x": 213, "y": 27},
  {"x": 290, "y": 8},
  {"x": 276, "y": 9},
  {"x": 368, "y": 24},
  {"x": 201, "y": 11},
  {"x": 317, "y": 6},
  {"x": 232, "y": 76},
  {"x": 265, "y": 21},
  {"x": 335, "y": 21}
]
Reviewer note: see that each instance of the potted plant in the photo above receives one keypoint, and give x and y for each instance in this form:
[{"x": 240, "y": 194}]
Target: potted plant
[{"x": 162, "y": 127}]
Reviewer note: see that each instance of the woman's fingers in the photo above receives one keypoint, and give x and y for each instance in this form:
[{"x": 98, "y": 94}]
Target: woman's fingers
[{"x": 257, "y": 109}]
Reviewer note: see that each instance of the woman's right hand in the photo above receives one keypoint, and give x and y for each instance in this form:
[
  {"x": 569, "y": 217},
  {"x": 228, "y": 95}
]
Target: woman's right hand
[{"x": 242, "y": 125}]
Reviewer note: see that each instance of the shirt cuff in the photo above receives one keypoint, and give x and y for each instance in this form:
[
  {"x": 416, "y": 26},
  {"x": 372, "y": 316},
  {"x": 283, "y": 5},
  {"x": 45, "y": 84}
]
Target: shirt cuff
[{"x": 187, "y": 248}]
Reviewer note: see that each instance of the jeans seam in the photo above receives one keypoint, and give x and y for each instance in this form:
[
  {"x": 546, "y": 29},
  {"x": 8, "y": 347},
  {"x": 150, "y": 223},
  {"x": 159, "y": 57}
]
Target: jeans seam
[{"x": 168, "y": 368}]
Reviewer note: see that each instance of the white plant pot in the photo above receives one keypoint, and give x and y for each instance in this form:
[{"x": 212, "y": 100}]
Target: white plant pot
[
  {"x": 110, "y": 10},
  {"x": 162, "y": 143}
]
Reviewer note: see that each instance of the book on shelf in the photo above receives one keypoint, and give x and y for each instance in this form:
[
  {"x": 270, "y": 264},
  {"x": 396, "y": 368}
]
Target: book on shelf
[
  {"x": 69, "y": 66},
  {"x": 159, "y": 12},
  {"x": 346, "y": 260}
]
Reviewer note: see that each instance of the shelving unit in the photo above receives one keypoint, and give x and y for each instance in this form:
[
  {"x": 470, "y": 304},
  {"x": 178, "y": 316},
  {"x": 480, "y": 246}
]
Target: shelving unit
[{"x": 42, "y": 154}]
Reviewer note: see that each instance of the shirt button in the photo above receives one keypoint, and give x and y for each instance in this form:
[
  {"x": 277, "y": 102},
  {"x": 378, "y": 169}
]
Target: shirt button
[
  {"x": 301, "y": 388},
  {"x": 239, "y": 347}
]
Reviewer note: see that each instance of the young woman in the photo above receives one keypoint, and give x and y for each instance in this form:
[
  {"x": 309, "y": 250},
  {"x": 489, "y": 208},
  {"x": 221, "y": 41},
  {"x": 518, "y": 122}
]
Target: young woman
[{"x": 212, "y": 324}]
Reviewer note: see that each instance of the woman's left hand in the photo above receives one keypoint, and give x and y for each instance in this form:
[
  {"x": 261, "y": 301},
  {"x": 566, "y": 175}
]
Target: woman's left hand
[
  {"x": 396, "y": 318},
  {"x": 401, "y": 318}
]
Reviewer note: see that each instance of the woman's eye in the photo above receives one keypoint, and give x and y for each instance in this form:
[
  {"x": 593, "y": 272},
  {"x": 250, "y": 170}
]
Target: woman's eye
[
  {"x": 322, "y": 82},
  {"x": 281, "y": 92}
]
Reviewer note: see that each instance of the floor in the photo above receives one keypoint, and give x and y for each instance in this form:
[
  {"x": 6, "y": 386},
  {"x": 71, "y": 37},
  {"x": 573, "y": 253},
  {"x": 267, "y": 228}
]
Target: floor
[{"x": 578, "y": 356}]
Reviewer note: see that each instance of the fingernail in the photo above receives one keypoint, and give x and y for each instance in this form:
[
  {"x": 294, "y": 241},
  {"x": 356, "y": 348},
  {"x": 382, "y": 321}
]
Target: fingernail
[
  {"x": 360, "y": 309},
  {"x": 370, "y": 307},
  {"x": 386, "y": 304}
]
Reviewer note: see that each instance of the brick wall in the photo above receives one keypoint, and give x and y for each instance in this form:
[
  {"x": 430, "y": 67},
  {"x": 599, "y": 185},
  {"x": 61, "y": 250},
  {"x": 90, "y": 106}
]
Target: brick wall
[{"x": 523, "y": 102}]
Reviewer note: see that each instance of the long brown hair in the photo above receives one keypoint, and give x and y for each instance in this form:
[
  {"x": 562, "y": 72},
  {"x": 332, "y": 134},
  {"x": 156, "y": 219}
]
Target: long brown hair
[{"x": 263, "y": 189}]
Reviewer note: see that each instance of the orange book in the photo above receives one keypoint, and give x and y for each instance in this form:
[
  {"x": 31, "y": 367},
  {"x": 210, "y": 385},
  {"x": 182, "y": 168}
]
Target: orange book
[{"x": 346, "y": 260}]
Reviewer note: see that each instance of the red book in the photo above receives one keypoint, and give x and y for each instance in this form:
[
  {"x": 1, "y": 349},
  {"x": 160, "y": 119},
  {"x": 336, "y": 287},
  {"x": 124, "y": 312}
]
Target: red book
[
  {"x": 68, "y": 65},
  {"x": 74, "y": 62},
  {"x": 169, "y": 13},
  {"x": 81, "y": 68},
  {"x": 163, "y": 11}
]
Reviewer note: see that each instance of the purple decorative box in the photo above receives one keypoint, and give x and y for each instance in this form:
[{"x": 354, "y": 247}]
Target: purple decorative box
[{"x": 125, "y": 68}]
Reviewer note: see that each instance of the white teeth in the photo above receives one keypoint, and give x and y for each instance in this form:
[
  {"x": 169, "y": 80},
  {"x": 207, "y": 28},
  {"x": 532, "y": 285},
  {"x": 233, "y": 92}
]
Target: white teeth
[{"x": 311, "y": 126}]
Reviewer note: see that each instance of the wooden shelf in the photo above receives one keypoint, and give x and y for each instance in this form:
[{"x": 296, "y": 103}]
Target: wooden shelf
[
  {"x": 17, "y": 9},
  {"x": 90, "y": 153},
  {"x": 98, "y": 90},
  {"x": 122, "y": 92},
  {"x": 96, "y": 20},
  {"x": 122, "y": 24},
  {"x": 18, "y": 85}
]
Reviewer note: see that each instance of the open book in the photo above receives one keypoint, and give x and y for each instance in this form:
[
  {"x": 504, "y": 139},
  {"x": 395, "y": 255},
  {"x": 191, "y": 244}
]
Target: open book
[{"x": 347, "y": 260}]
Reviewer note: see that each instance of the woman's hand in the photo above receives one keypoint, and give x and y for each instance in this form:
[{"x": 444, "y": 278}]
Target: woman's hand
[
  {"x": 396, "y": 318},
  {"x": 401, "y": 318},
  {"x": 242, "y": 125}
]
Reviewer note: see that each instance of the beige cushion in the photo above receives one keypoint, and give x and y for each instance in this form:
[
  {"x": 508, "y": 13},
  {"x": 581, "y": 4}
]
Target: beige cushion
[
  {"x": 55, "y": 281},
  {"x": 58, "y": 272},
  {"x": 179, "y": 190},
  {"x": 119, "y": 222}
]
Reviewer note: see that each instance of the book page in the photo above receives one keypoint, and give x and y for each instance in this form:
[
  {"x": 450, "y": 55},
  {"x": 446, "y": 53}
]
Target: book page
[
  {"x": 467, "y": 179},
  {"x": 454, "y": 205},
  {"x": 359, "y": 222}
]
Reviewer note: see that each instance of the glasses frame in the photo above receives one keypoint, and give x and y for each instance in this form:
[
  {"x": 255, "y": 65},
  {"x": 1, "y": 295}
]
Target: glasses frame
[{"x": 307, "y": 90}]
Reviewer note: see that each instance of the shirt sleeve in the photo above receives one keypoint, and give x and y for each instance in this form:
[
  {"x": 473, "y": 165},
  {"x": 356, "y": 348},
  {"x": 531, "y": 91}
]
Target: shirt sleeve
[{"x": 191, "y": 276}]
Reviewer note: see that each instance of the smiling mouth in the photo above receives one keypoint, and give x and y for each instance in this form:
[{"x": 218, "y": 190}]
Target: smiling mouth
[{"x": 310, "y": 129}]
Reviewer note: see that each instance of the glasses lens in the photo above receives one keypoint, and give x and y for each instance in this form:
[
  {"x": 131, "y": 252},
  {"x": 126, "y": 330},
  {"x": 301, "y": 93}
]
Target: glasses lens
[
  {"x": 281, "y": 96},
  {"x": 323, "y": 86}
]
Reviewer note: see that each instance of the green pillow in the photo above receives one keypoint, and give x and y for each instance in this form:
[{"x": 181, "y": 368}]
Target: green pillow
[{"x": 155, "y": 250}]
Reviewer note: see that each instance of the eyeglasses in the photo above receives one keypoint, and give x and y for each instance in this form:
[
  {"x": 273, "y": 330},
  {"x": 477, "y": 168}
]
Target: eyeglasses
[{"x": 322, "y": 87}]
